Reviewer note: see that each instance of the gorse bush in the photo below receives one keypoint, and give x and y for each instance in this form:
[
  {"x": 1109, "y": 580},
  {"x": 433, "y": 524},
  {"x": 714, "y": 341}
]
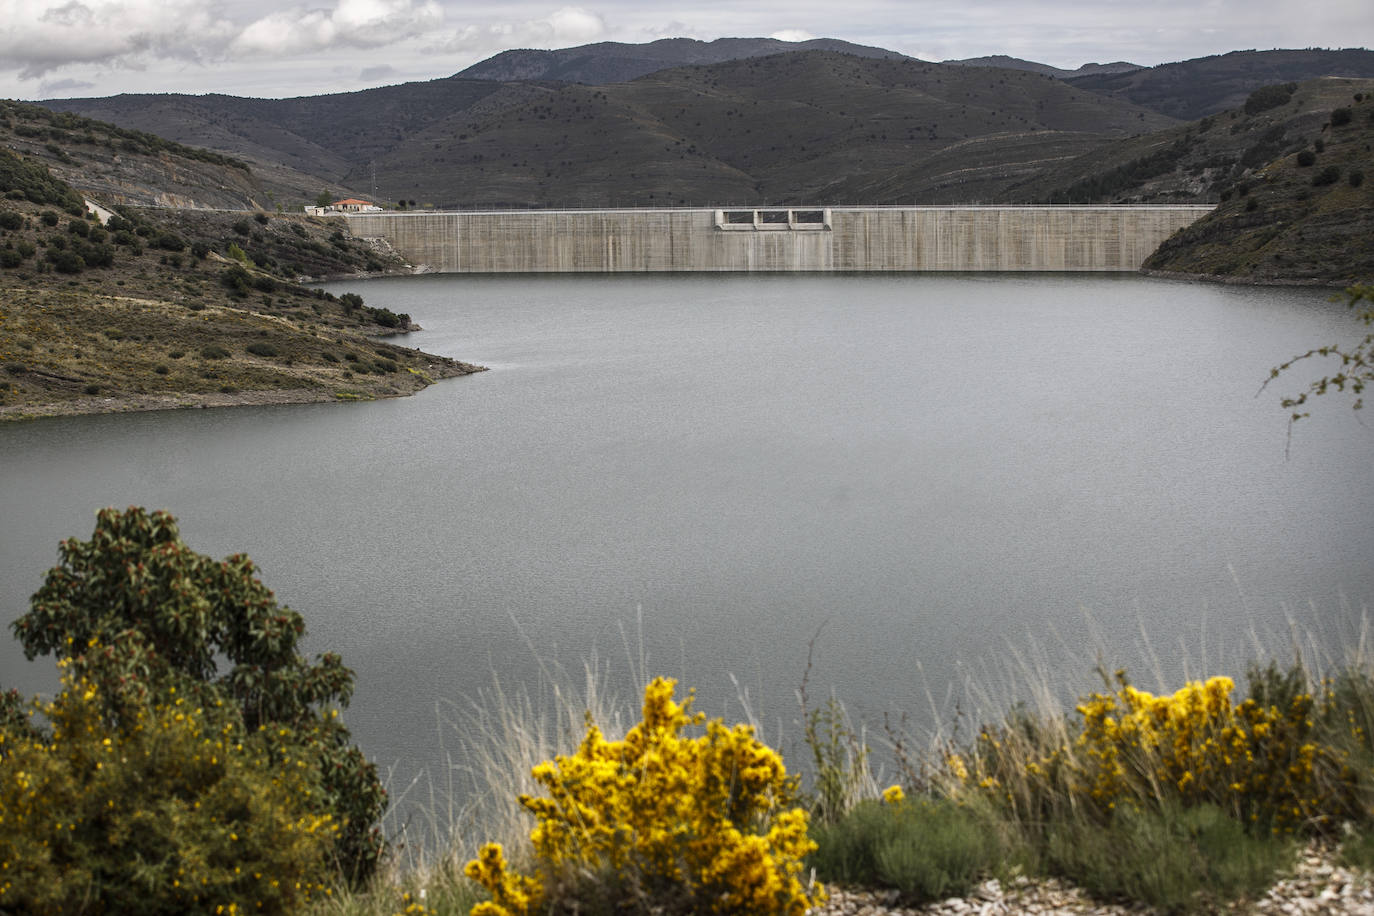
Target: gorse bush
[
  {"x": 658, "y": 822},
  {"x": 143, "y": 618},
  {"x": 1265, "y": 761},
  {"x": 1255, "y": 760},
  {"x": 171, "y": 809}
]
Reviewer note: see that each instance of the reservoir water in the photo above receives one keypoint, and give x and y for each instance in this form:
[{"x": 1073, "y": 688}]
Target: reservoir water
[{"x": 937, "y": 472}]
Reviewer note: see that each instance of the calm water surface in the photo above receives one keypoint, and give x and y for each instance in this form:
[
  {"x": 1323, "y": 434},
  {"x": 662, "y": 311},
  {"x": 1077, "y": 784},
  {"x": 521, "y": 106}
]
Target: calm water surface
[{"x": 944, "y": 471}]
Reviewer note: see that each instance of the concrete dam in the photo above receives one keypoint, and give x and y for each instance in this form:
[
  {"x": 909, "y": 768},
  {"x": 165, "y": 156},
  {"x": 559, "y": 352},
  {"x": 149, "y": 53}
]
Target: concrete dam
[{"x": 821, "y": 239}]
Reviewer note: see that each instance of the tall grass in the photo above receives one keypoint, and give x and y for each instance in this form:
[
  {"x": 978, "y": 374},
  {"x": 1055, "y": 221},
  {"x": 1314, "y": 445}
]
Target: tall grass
[{"x": 1181, "y": 800}]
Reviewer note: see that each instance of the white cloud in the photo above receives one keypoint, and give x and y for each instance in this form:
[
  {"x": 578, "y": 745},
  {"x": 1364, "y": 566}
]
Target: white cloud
[
  {"x": 350, "y": 24},
  {"x": 570, "y": 25},
  {"x": 39, "y": 36},
  {"x": 277, "y": 47}
]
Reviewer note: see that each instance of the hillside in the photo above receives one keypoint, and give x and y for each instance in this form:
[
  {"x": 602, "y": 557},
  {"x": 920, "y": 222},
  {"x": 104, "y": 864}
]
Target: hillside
[
  {"x": 1193, "y": 89},
  {"x": 127, "y": 164},
  {"x": 152, "y": 308},
  {"x": 1308, "y": 215},
  {"x": 1015, "y": 63},
  {"x": 1195, "y": 162},
  {"x": 813, "y": 126},
  {"x": 616, "y": 62},
  {"x": 816, "y": 126}
]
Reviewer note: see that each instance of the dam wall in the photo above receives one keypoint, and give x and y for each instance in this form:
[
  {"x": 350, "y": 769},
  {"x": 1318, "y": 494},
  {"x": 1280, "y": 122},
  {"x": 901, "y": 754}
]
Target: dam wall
[{"x": 1048, "y": 238}]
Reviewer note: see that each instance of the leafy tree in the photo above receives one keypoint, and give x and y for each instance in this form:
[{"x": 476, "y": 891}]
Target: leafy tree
[
  {"x": 143, "y": 617},
  {"x": 323, "y": 199},
  {"x": 1356, "y": 362}
]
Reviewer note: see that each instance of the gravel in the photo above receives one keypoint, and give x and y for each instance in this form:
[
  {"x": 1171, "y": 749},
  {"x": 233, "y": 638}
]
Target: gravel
[{"x": 1317, "y": 886}]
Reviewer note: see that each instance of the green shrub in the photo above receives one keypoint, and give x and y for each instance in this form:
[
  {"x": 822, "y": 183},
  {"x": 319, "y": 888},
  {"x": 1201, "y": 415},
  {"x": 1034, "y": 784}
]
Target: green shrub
[
  {"x": 66, "y": 262},
  {"x": 1358, "y": 851},
  {"x": 214, "y": 351},
  {"x": 170, "y": 241},
  {"x": 99, "y": 255},
  {"x": 1266, "y": 97},
  {"x": 237, "y": 280},
  {"x": 11, "y": 219},
  {"x": 927, "y": 849},
  {"x": 242, "y": 227},
  {"x": 1329, "y": 175},
  {"x": 1356, "y": 178},
  {"x": 79, "y": 227},
  {"x": 143, "y": 618},
  {"x": 387, "y": 318},
  {"x": 262, "y": 349},
  {"x": 10, "y": 258},
  {"x": 1176, "y": 860},
  {"x": 48, "y": 217},
  {"x": 1306, "y": 157},
  {"x": 1340, "y": 117}
]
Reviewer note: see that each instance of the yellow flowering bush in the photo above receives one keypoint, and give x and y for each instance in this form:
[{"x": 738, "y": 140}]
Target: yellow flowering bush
[
  {"x": 175, "y": 810},
  {"x": 659, "y": 820},
  {"x": 1259, "y": 761}
]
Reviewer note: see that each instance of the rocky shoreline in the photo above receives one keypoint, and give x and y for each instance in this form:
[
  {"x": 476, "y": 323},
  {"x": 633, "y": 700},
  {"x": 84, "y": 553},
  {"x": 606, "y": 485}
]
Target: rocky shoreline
[
  {"x": 134, "y": 403},
  {"x": 1317, "y": 885}
]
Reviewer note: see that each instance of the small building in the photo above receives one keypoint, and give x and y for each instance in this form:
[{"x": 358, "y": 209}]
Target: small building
[
  {"x": 347, "y": 205},
  {"x": 353, "y": 205}
]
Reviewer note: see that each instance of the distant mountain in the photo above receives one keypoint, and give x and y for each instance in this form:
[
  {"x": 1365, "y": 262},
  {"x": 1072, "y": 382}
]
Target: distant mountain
[
  {"x": 814, "y": 126},
  {"x": 616, "y": 62},
  {"x": 1016, "y": 63},
  {"x": 1192, "y": 89},
  {"x": 799, "y": 127}
]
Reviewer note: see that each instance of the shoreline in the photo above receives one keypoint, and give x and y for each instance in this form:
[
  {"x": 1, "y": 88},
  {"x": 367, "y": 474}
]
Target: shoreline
[
  {"x": 1227, "y": 280},
  {"x": 262, "y": 397}
]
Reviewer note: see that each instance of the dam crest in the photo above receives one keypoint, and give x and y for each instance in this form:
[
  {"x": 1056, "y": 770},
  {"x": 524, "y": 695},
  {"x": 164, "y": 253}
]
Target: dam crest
[{"x": 780, "y": 239}]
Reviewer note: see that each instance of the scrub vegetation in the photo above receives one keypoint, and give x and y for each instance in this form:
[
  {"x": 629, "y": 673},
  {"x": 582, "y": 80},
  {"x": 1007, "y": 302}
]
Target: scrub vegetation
[
  {"x": 194, "y": 760},
  {"x": 155, "y": 309}
]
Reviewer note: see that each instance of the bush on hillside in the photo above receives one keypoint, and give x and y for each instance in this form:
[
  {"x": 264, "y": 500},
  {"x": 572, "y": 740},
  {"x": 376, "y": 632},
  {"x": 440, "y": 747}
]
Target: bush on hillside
[
  {"x": 1267, "y": 97},
  {"x": 1329, "y": 175}
]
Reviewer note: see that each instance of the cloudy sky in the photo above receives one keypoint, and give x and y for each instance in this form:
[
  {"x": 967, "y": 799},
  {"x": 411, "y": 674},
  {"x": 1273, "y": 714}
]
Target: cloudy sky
[{"x": 274, "y": 48}]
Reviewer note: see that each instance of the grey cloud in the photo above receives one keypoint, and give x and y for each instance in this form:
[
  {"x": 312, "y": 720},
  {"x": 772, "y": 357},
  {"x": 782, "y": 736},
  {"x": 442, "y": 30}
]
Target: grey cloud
[{"x": 55, "y": 86}]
